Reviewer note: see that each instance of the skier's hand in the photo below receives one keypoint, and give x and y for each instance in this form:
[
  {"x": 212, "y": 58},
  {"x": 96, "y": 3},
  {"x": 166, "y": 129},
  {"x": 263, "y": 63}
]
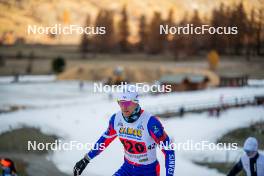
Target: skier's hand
[{"x": 80, "y": 166}]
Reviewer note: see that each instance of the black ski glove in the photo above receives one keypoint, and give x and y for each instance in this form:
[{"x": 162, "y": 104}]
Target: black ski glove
[{"x": 80, "y": 166}]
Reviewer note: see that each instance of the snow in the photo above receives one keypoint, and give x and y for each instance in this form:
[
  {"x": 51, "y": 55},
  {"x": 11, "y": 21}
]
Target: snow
[
  {"x": 28, "y": 78},
  {"x": 59, "y": 107},
  {"x": 200, "y": 98},
  {"x": 47, "y": 94},
  {"x": 256, "y": 82}
]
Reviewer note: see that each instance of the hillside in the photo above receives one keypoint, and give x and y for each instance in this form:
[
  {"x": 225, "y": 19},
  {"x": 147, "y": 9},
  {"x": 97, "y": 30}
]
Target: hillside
[{"x": 16, "y": 15}]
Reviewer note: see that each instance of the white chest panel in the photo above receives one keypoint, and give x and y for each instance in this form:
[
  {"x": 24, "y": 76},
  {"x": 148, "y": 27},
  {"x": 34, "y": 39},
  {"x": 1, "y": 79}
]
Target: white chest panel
[
  {"x": 260, "y": 165},
  {"x": 139, "y": 146}
]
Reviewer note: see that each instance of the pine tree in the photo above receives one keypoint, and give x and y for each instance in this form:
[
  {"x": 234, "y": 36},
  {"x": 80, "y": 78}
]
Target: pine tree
[
  {"x": 181, "y": 43},
  {"x": 123, "y": 31},
  {"x": 239, "y": 19},
  {"x": 251, "y": 37},
  {"x": 260, "y": 31},
  {"x": 85, "y": 40},
  {"x": 195, "y": 39},
  {"x": 105, "y": 42},
  {"x": 219, "y": 19},
  {"x": 109, "y": 37},
  {"x": 155, "y": 39},
  {"x": 98, "y": 39},
  {"x": 169, "y": 37},
  {"x": 142, "y": 33}
]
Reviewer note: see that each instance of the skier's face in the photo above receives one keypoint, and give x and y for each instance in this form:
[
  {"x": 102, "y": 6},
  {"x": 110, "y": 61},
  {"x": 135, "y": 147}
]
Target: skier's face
[
  {"x": 251, "y": 154},
  {"x": 127, "y": 107}
]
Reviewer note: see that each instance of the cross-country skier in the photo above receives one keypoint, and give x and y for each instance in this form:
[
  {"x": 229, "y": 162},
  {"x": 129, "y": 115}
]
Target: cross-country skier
[
  {"x": 140, "y": 132},
  {"x": 252, "y": 162},
  {"x": 8, "y": 167}
]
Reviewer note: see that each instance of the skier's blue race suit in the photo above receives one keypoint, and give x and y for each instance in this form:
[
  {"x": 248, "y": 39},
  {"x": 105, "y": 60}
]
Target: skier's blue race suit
[{"x": 139, "y": 139}]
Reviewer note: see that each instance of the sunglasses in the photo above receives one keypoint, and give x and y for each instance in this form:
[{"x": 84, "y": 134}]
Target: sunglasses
[
  {"x": 249, "y": 152},
  {"x": 126, "y": 103}
]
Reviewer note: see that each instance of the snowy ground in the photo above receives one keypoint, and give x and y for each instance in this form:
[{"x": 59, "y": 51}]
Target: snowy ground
[{"x": 61, "y": 108}]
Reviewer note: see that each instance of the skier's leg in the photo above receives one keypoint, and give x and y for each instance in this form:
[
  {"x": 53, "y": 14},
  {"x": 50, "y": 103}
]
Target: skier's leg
[
  {"x": 123, "y": 171},
  {"x": 158, "y": 169},
  {"x": 150, "y": 170}
]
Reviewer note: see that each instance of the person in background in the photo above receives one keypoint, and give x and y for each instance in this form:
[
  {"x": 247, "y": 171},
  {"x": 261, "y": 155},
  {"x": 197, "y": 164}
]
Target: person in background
[
  {"x": 252, "y": 162},
  {"x": 8, "y": 167}
]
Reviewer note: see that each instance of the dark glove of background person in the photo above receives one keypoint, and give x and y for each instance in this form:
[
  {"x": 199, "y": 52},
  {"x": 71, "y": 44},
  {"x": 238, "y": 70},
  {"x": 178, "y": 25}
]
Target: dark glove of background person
[{"x": 80, "y": 166}]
